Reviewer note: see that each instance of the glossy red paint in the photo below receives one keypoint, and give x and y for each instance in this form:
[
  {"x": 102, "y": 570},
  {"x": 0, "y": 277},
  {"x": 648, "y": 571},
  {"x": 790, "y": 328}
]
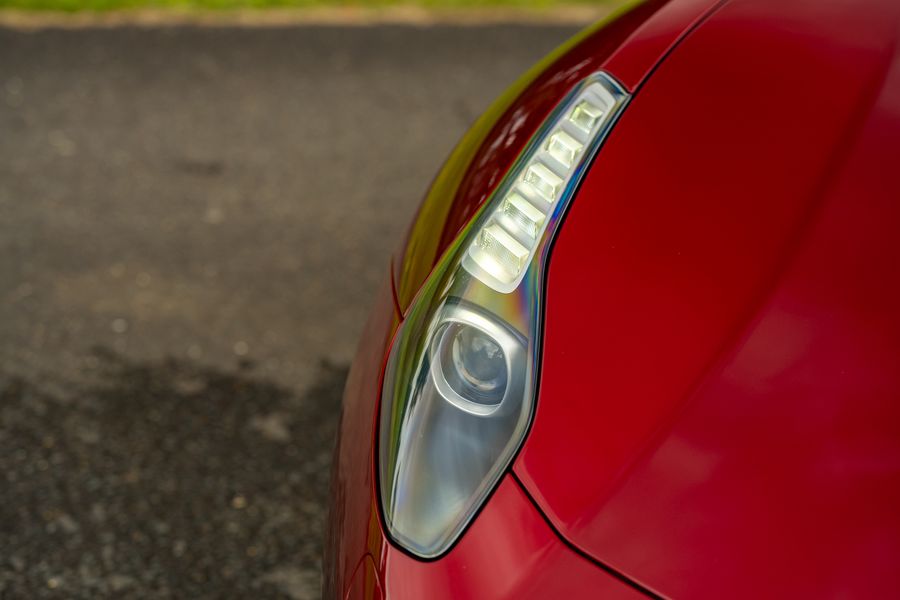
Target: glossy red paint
[
  {"x": 718, "y": 412},
  {"x": 354, "y": 529},
  {"x": 628, "y": 47},
  {"x": 508, "y": 552},
  {"x": 632, "y": 62},
  {"x": 366, "y": 583}
]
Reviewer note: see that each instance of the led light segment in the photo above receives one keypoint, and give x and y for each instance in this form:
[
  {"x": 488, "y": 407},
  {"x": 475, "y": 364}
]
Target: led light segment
[
  {"x": 546, "y": 182},
  {"x": 507, "y": 254},
  {"x": 523, "y": 214},
  {"x": 586, "y": 115},
  {"x": 534, "y": 187},
  {"x": 564, "y": 148}
]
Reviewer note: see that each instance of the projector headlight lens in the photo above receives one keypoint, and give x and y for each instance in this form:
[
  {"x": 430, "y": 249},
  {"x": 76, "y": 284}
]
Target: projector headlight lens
[
  {"x": 459, "y": 385},
  {"x": 477, "y": 364}
]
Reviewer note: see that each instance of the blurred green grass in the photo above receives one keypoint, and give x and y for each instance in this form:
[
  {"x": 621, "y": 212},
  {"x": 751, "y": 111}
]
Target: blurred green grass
[{"x": 105, "y": 5}]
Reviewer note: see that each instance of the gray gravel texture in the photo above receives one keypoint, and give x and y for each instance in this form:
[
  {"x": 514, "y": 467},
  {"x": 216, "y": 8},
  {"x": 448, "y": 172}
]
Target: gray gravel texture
[{"x": 192, "y": 224}]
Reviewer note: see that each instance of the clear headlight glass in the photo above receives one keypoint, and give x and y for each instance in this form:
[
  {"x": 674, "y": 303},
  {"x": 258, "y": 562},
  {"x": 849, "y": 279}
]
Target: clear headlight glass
[{"x": 460, "y": 380}]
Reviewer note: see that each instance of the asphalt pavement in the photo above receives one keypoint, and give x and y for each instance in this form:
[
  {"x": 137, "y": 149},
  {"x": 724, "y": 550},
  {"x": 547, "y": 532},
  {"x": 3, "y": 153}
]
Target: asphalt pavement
[{"x": 193, "y": 222}]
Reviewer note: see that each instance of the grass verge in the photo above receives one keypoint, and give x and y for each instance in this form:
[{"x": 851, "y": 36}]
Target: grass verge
[{"x": 216, "y": 5}]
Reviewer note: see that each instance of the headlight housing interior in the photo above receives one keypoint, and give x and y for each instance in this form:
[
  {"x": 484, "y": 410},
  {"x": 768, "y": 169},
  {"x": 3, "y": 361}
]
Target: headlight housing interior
[{"x": 459, "y": 385}]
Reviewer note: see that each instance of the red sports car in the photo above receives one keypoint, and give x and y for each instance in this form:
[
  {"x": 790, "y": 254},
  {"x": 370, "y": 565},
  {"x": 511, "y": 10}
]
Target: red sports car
[{"x": 643, "y": 337}]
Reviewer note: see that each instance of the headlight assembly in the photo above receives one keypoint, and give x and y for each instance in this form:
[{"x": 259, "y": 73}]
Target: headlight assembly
[{"x": 460, "y": 380}]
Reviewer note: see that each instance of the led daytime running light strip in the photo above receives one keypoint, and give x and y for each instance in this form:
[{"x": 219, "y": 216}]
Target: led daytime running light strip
[{"x": 503, "y": 248}]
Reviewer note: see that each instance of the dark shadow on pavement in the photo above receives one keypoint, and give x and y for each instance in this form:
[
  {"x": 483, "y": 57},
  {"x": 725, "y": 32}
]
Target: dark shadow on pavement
[{"x": 162, "y": 479}]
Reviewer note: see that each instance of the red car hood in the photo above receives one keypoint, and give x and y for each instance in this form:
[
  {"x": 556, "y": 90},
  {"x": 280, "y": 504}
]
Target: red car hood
[{"x": 719, "y": 404}]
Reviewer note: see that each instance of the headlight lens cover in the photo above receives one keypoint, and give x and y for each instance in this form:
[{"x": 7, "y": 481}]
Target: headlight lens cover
[{"x": 459, "y": 384}]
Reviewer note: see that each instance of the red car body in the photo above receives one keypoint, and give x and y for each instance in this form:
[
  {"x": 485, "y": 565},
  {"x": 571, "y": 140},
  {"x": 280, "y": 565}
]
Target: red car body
[{"x": 718, "y": 410}]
